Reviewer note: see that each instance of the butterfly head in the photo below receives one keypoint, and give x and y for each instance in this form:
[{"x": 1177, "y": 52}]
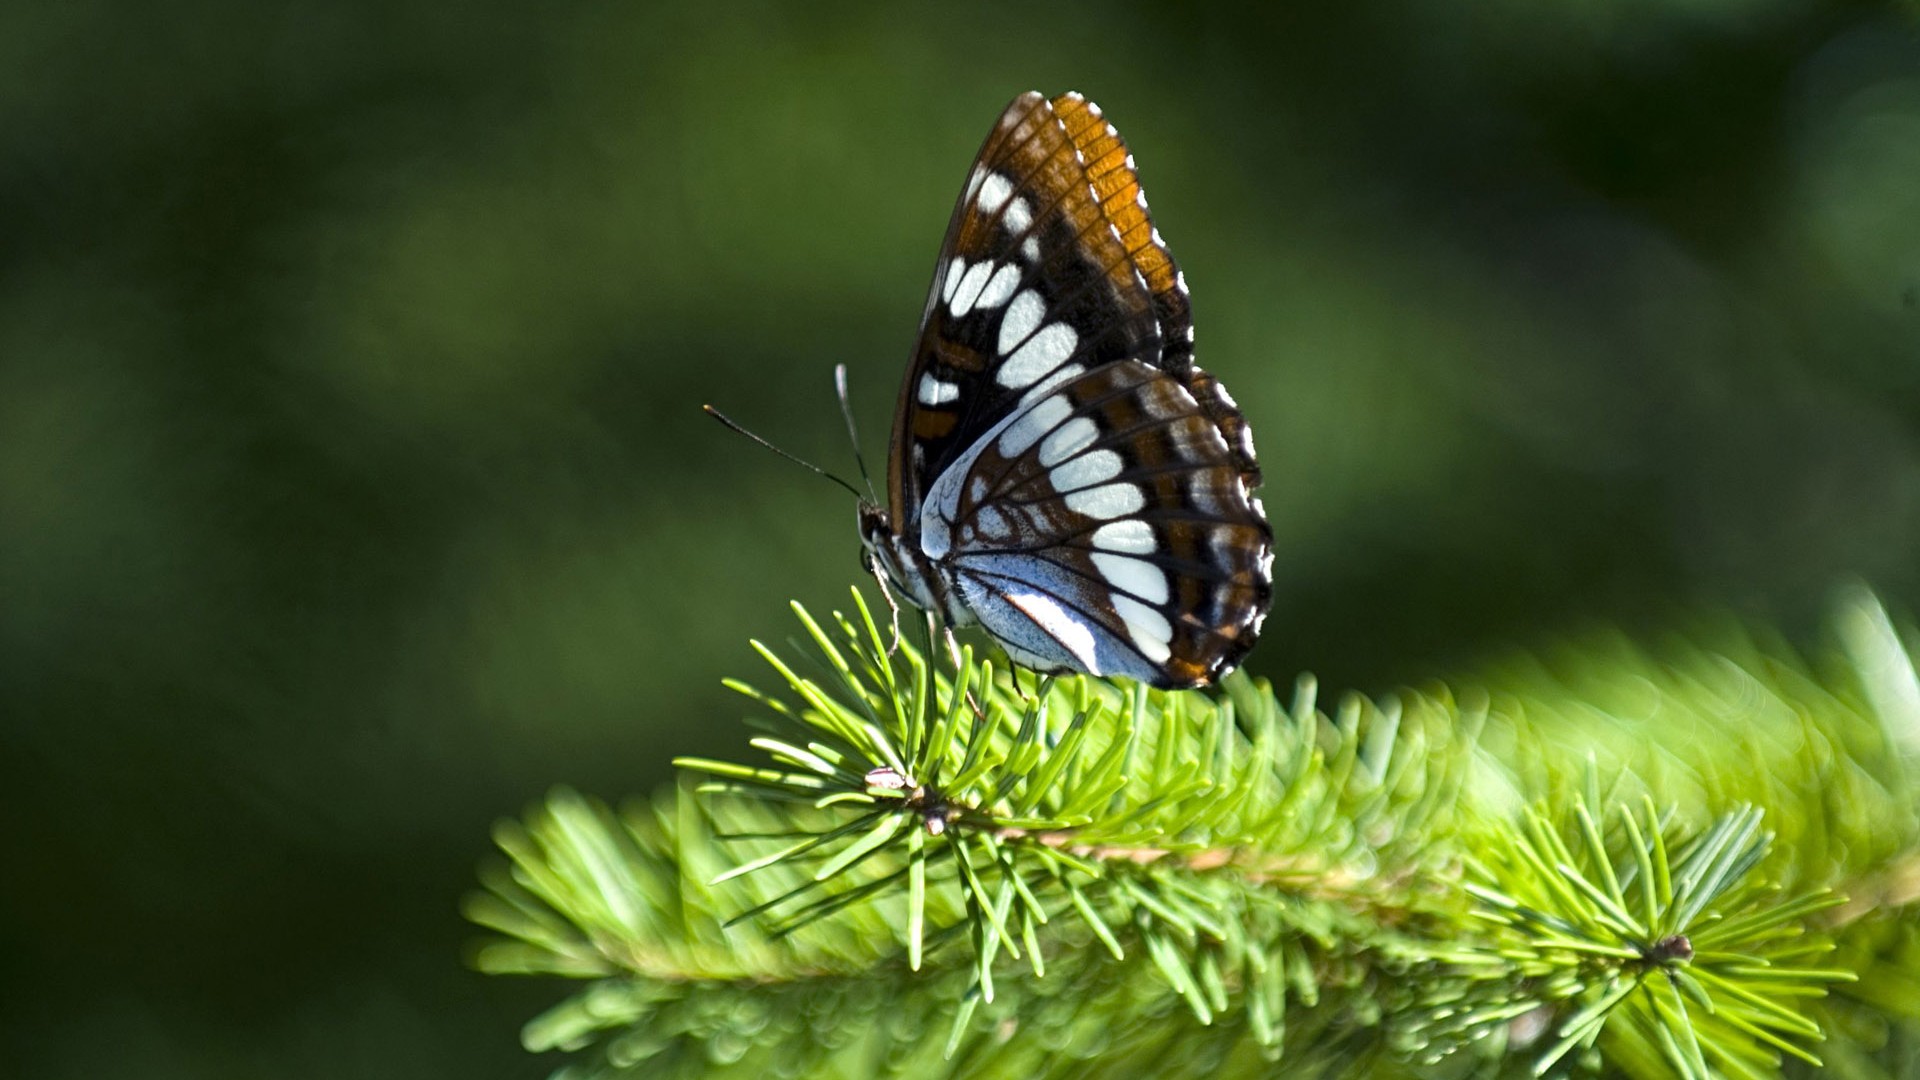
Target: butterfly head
[
  {"x": 876, "y": 530},
  {"x": 880, "y": 550},
  {"x": 894, "y": 563}
]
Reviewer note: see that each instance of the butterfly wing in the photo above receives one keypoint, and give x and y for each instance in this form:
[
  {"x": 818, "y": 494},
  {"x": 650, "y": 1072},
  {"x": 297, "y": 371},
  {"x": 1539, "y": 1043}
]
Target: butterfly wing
[
  {"x": 1085, "y": 486},
  {"x": 1108, "y": 528}
]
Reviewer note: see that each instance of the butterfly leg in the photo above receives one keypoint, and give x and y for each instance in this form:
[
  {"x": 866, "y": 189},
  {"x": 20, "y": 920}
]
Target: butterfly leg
[
  {"x": 935, "y": 623},
  {"x": 893, "y": 606},
  {"x": 953, "y": 652},
  {"x": 953, "y": 646},
  {"x": 1042, "y": 686}
]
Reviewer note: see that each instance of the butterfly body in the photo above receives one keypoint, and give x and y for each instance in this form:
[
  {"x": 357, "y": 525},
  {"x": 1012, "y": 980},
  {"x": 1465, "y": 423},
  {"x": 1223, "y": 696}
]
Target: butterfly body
[{"x": 1061, "y": 473}]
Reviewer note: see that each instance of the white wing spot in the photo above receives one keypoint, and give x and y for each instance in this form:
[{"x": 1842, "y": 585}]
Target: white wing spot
[
  {"x": 968, "y": 291},
  {"x": 1131, "y": 535},
  {"x": 1069, "y": 439},
  {"x": 1046, "y": 350},
  {"x": 1106, "y": 502},
  {"x": 935, "y": 392},
  {"x": 1141, "y": 578},
  {"x": 1018, "y": 216},
  {"x": 1149, "y": 629},
  {"x": 973, "y": 182},
  {"x": 993, "y": 192},
  {"x": 1031, "y": 249},
  {"x": 950, "y": 280},
  {"x": 1084, "y": 471},
  {"x": 989, "y": 522},
  {"x": 1140, "y": 198},
  {"x": 1022, "y": 316},
  {"x": 999, "y": 287},
  {"x": 1130, "y": 167},
  {"x": 1033, "y": 424},
  {"x": 1180, "y": 281},
  {"x": 1075, "y": 636}
]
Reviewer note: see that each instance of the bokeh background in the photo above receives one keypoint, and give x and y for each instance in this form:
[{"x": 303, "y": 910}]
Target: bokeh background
[{"x": 354, "y": 489}]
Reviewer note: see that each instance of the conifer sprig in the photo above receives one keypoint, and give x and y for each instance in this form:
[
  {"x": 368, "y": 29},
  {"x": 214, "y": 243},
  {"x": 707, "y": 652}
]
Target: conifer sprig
[
  {"x": 1616, "y": 932},
  {"x": 1168, "y": 819},
  {"x": 985, "y": 873}
]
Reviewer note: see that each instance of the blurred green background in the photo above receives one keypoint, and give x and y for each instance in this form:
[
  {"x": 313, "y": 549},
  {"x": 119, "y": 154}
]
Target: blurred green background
[{"x": 354, "y": 489}]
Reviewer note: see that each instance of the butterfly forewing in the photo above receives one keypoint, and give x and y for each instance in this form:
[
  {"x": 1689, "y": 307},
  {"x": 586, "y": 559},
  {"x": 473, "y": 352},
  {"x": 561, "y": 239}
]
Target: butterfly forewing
[
  {"x": 1037, "y": 273},
  {"x": 1076, "y": 484}
]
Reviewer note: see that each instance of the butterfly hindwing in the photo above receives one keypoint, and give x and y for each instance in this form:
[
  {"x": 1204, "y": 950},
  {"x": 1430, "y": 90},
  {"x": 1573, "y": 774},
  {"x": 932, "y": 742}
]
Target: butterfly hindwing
[{"x": 1106, "y": 527}]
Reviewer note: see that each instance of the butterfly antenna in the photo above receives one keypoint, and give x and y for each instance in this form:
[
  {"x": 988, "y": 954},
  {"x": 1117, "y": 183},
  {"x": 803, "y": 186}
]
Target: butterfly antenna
[
  {"x": 802, "y": 462},
  {"x": 853, "y": 433}
]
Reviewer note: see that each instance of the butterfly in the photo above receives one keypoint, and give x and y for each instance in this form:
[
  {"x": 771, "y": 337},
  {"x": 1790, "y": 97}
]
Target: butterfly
[{"x": 1061, "y": 473}]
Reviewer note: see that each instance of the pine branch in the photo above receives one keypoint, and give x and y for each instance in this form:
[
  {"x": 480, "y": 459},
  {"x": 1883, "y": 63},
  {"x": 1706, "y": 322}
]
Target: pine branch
[{"x": 988, "y": 874}]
